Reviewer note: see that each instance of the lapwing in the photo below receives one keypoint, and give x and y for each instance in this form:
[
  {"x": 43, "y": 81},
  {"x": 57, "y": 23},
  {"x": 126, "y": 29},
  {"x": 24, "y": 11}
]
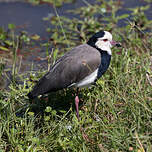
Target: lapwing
[{"x": 80, "y": 67}]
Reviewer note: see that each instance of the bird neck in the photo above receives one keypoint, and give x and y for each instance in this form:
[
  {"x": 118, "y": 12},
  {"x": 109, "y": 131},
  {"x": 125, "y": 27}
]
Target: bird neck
[
  {"x": 91, "y": 42},
  {"x": 105, "y": 62},
  {"x": 105, "y": 59}
]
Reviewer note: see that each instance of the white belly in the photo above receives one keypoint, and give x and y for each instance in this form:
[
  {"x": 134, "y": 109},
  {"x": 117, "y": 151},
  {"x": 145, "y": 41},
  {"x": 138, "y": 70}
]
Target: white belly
[{"x": 87, "y": 81}]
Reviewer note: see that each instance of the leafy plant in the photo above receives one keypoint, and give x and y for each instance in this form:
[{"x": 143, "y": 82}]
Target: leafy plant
[{"x": 57, "y": 3}]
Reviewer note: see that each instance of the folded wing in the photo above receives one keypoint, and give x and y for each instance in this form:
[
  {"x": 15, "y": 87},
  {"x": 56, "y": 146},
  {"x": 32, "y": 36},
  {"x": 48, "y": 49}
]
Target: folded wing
[{"x": 73, "y": 67}]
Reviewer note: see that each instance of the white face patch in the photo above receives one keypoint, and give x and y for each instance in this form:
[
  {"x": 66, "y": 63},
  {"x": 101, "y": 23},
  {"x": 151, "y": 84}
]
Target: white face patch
[{"x": 104, "y": 44}]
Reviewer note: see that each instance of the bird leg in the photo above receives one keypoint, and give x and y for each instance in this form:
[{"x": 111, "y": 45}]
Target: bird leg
[{"x": 77, "y": 106}]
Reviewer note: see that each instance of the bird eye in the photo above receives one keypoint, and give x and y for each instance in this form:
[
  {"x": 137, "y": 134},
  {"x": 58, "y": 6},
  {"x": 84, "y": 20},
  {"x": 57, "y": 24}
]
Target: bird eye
[{"x": 105, "y": 40}]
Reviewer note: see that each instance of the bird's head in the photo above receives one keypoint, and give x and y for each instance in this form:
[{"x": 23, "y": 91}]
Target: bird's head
[{"x": 103, "y": 40}]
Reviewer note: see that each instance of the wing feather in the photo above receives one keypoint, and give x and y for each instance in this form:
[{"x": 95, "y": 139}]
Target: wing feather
[{"x": 71, "y": 68}]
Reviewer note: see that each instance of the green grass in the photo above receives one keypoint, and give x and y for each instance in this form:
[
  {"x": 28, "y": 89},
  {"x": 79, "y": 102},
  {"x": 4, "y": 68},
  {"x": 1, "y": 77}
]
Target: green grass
[{"x": 115, "y": 115}]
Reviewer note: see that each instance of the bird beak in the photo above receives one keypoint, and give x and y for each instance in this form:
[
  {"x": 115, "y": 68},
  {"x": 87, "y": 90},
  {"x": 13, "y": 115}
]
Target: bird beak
[{"x": 114, "y": 43}]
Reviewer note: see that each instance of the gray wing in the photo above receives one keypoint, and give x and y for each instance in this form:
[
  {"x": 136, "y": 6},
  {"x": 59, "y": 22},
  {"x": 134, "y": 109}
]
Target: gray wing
[{"x": 74, "y": 66}]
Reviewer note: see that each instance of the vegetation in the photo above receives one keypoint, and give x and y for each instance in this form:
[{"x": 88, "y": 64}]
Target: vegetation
[
  {"x": 116, "y": 115},
  {"x": 57, "y": 3}
]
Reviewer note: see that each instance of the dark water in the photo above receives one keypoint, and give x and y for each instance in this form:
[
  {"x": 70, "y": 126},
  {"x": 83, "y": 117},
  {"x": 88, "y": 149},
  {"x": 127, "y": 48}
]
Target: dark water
[{"x": 29, "y": 17}]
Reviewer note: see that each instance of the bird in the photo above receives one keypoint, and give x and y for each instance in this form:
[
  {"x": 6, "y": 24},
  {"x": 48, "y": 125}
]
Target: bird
[{"x": 80, "y": 67}]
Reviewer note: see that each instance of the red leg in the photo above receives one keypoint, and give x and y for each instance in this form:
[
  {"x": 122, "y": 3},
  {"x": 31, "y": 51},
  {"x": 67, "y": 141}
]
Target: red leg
[{"x": 77, "y": 106}]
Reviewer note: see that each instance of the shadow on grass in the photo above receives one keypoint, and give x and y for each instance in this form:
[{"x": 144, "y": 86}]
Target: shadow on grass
[{"x": 60, "y": 101}]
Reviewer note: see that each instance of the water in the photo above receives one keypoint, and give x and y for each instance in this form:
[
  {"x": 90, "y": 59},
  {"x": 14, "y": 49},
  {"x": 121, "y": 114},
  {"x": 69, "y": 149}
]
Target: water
[{"x": 29, "y": 17}]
